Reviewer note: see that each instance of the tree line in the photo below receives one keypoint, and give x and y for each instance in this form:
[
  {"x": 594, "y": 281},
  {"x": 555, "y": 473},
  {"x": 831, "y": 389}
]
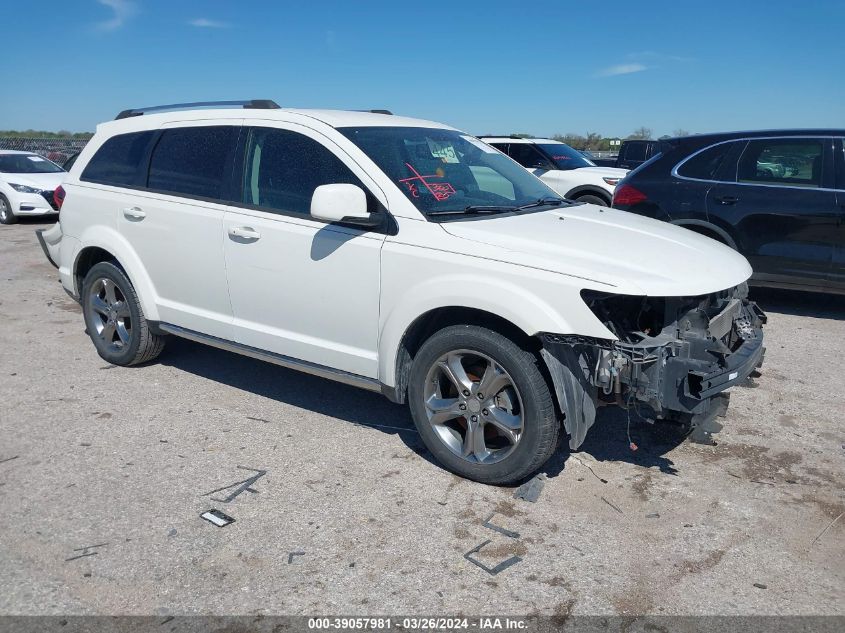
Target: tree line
[
  {"x": 61, "y": 134},
  {"x": 598, "y": 142}
]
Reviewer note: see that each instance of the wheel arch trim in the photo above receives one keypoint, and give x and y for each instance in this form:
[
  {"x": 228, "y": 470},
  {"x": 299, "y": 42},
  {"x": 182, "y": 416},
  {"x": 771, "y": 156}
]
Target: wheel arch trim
[
  {"x": 590, "y": 189},
  {"x": 118, "y": 247},
  {"x": 686, "y": 223},
  {"x": 525, "y": 312}
]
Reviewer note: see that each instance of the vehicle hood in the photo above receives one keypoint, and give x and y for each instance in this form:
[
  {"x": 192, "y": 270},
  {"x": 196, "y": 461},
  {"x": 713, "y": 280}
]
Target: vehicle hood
[
  {"x": 619, "y": 251},
  {"x": 603, "y": 172},
  {"x": 40, "y": 181}
]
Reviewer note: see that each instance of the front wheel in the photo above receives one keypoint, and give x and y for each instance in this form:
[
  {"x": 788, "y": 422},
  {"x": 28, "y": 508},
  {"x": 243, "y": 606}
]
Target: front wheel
[
  {"x": 482, "y": 406},
  {"x": 114, "y": 318},
  {"x": 6, "y": 215}
]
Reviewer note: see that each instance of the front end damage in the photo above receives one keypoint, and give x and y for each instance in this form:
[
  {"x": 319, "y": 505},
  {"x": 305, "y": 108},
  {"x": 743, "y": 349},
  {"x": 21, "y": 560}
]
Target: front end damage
[{"x": 676, "y": 355}]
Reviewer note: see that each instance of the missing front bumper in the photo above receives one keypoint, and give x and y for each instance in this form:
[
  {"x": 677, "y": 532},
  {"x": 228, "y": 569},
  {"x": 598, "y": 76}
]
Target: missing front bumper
[{"x": 680, "y": 372}]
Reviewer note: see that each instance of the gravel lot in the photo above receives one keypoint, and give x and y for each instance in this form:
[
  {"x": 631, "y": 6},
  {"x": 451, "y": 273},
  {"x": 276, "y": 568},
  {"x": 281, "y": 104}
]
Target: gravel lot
[{"x": 122, "y": 459}]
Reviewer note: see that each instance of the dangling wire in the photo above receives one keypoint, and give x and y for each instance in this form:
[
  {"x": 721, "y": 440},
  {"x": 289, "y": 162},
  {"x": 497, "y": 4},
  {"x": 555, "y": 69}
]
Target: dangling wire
[{"x": 631, "y": 443}]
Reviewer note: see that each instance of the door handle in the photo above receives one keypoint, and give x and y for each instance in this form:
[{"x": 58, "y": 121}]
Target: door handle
[
  {"x": 244, "y": 232},
  {"x": 727, "y": 200},
  {"x": 134, "y": 213}
]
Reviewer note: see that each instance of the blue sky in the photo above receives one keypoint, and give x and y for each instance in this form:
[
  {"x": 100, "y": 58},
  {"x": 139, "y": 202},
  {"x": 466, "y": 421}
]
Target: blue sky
[{"x": 542, "y": 67}]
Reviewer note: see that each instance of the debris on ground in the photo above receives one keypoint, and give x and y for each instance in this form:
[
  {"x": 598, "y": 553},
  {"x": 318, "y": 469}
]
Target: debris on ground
[
  {"x": 760, "y": 585},
  {"x": 530, "y": 490},
  {"x": 292, "y": 554},
  {"x": 85, "y": 551},
  {"x": 239, "y": 486},
  {"x": 509, "y": 533},
  {"x": 513, "y": 560},
  {"x": 217, "y": 518},
  {"x": 587, "y": 466},
  {"x": 830, "y": 525},
  {"x": 612, "y": 506}
]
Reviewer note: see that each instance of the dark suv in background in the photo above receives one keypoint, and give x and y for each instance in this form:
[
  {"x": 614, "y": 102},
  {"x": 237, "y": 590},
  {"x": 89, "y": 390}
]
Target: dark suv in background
[
  {"x": 632, "y": 154},
  {"x": 778, "y": 197}
]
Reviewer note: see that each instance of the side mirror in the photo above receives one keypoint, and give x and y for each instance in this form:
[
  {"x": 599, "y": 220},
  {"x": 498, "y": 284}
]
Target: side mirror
[{"x": 341, "y": 203}]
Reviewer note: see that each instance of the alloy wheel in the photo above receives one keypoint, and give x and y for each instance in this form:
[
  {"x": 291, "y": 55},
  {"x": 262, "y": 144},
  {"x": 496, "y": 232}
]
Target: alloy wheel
[
  {"x": 474, "y": 406},
  {"x": 111, "y": 317}
]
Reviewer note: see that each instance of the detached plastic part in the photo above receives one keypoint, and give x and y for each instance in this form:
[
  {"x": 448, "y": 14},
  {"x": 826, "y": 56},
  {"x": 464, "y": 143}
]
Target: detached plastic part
[{"x": 573, "y": 389}]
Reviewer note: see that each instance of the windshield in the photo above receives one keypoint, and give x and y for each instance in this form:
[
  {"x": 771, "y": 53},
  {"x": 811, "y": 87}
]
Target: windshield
[
  {"x": 444, "y": 171},
  {"x": 27, "y": 164},
  {"x": 564, "y": 157}
]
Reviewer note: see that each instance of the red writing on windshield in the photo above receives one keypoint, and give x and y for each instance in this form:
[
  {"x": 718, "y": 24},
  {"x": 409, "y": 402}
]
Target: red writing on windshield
[{"x": 440, "y": 190}]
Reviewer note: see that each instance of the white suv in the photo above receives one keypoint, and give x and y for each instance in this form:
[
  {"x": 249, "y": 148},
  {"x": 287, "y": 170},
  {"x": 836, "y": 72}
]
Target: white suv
[
  {"x": 401, "y": 256},
  {"x": 567, "y": 171}
]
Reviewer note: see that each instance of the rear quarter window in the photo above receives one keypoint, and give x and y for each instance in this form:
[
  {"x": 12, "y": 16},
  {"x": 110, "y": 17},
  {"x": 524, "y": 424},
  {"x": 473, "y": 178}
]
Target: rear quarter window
[
  {"x": 118, "y": 160},
  {"x": 705, "y": 164}
]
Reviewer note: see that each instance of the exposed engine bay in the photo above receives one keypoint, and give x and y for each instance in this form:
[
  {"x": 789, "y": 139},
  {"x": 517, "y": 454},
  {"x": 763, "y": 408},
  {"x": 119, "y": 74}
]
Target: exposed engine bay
[{"x": 674, "y": 354}]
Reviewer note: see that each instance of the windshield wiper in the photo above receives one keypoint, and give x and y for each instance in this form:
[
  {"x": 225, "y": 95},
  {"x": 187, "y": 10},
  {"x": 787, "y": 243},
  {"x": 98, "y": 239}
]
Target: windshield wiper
[
  {"x": 555, "y": 202},
  {"x": 503, "y": 208},
  {"x": 475, "y": 210}
]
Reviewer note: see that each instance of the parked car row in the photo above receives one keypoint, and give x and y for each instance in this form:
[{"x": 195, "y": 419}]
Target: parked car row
[
  {"x": 564, "y": 169},
  {"x": 404, "y": 257}
]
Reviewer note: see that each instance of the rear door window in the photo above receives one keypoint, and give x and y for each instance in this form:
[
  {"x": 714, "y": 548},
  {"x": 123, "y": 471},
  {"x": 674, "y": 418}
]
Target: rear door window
[
  {"x": 794, "y": 162},
  {"x": 118, "y": 160},
  {"x": 192, "y": 161}
]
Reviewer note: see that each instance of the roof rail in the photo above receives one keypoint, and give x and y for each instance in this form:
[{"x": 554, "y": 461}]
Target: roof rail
[
  {"x": 255, "y": 104},
  {"x": 375, "y": 111},
  {"x": 514, "y": 136}
]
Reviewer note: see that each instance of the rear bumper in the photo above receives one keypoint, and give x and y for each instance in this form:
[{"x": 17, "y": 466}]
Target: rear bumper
[{"x": 51, "y": 240}]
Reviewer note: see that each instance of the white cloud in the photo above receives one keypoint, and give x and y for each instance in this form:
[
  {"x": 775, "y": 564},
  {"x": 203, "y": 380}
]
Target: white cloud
[
  {"x": 622, "y": 69},
  {"x": 205, "y": 23},
  {"x": 123, "y": 10}
]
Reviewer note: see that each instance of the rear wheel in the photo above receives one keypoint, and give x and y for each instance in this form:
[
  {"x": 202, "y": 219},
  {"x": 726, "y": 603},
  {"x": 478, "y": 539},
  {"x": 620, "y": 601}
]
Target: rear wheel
[
  {"x": 6, "y": 215},
  {"x": 481, "y": 405},
  {"x": 114, "y": 319}
]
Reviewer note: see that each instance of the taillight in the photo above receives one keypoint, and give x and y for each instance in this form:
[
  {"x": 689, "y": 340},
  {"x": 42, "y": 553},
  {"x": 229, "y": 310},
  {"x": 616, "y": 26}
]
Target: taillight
[
  {"x": 627, "y": 196},
  {"x": 59, "y": 197}
]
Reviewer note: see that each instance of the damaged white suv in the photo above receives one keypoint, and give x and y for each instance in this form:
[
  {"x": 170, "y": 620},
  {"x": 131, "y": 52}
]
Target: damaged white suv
[{"x": 401, "y": 256}]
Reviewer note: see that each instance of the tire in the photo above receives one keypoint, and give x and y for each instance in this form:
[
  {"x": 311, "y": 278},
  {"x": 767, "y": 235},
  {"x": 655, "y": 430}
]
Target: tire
[
  {"x": 516, "y": 429},
  {"x": 114, "y": 319},
  {"x": 6, "y": 214},
  {"x": 591, "y": 199}
]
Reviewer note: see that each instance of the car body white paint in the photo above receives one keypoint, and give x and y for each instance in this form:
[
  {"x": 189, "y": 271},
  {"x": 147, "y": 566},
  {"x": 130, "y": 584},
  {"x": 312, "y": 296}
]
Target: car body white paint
[{"x": 344, "y": 297}]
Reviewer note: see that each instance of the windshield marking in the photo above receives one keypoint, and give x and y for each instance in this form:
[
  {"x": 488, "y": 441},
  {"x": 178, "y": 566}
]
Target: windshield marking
[{"x": 440, "y": 190}]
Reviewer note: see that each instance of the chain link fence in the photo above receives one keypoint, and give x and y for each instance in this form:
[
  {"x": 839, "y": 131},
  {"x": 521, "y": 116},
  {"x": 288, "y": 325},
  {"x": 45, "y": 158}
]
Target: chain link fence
[{"x": 57, "y": 150}]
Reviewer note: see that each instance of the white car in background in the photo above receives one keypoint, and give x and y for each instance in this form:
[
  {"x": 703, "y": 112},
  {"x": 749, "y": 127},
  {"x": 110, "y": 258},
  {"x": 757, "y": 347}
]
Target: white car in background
[
  {"x": 27, "y": 184},
  {"x": 566, "y": 170}
]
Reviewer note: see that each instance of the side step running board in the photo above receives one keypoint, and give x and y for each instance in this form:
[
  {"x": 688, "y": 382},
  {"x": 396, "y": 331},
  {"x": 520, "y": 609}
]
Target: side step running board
[{"x": 370, "y": 384}]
